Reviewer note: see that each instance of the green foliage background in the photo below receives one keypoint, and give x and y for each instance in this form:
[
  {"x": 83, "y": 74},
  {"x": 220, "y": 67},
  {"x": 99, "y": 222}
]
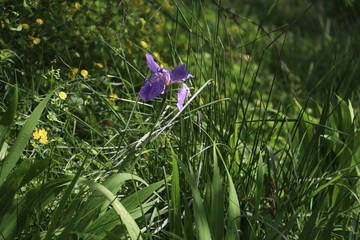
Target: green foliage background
[{"x": 267, "y": 146}]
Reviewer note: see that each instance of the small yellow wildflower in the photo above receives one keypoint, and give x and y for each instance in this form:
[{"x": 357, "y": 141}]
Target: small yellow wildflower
[
  {"x": 77, "y": 5},
  {"x": 84, "y": 73},
  {"x": 72, "y": 75},
  {"x": 41, "y": 135},
  {"x": 25, "y": 26},
  {"x": 42, "y": 132},
  {"x": 157, "y": 55},
  {"x": 156, "y": 14},
  {"x": 36, "y": 134},
  {"x": 100, "y": 65},
  {"x": 3, "y": 25},
  {"x": 112, "y": 97},
  {"x": 36, "y": 41},
  {"x": 143, "y": 44},
  {"x": 167, "y": 5},
  {"x": 39, "y": 21},
  {"x": 128, "y": 50},
  {"x": 142, "y": 21},
  {"x": 201, "y": 101},
  {"x": 62, "y": 95},
  {"x": 43, "y": 140},
  {"x": 30, "y": 37}
]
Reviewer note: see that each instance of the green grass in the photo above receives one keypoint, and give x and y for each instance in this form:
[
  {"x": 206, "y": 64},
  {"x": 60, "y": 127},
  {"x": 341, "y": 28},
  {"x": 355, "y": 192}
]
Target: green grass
[{"x": 267, "y": 146}]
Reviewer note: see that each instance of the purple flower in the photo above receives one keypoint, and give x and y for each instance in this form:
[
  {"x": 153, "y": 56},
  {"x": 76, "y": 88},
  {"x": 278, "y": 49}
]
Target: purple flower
[{"x": 162, "y": 78}]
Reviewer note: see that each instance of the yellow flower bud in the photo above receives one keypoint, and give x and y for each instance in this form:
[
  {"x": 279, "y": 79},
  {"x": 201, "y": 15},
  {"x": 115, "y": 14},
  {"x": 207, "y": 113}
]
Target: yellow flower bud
[
  {"x": 84, "y": 73},
  {"x": 100, "y": 65},
  {"x": 39, "y": 21},
  {"x": 143, "y": 44},
  {"x": 25, "y": 26},
  {"x": 62, "y": 95},
  {"x": 77, "y": 5},
  {"x": 36, "y": 41}
]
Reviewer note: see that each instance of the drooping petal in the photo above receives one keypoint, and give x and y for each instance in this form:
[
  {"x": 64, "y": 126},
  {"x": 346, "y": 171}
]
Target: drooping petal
[
  {"x": 182, "y": 95},
  {"x": 152, "y": 64},
  {"x": 180, "y": 73},
  {"x": 152, "y": 88}
]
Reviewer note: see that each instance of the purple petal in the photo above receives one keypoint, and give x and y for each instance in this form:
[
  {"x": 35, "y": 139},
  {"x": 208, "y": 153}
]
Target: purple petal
[
  {"x": 152, "y": 88},
  {"x": 180, "y": 73},
  {"x": 152, "y": 64},
  {"x": 182, "y": 94}
]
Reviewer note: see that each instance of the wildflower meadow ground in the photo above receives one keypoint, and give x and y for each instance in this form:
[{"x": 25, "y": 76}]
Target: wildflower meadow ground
[{"x": 179, "y": 119}]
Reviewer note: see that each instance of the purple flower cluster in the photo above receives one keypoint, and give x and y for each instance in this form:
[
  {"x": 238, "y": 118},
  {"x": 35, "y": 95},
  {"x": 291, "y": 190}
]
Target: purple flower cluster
[{"x": 162, "y": 78}]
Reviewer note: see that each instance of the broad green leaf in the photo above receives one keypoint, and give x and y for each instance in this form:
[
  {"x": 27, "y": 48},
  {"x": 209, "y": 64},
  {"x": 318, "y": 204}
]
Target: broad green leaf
[
  {"x": 130, "y": 224},
  {"x": 201, "y": 221},
  {"x": 22, "y": 140}
]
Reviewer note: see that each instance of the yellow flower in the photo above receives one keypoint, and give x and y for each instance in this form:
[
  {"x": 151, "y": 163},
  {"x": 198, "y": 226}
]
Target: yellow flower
[
  {"x": 36, "y": 41},
  {"x": 84, "y": 73},
  {"x": 25, "y": 26},
  {"x": 30, "y": 37},
  {"x": 43, "y": 140},
  {"x": 42, "y": 132},
  {"x": 157, "y": 55},
  {"x": 99, "y": 65},
  {"x": 77, "y": 5},
  {"x": 41, "y": 135},
  {"x": 167, "y": 5},
  {"x": 62, "y": 95},
  {"x": 201, "y": 101},
  {"x": 142, "y": 21},
  {"x": 39, "y": 21},
  {"x": 36, "y": 134},
  {"x": 112, "y": 97},
  {"x": 75, "y": 70},
  {"x": 143, "y": 44}
]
